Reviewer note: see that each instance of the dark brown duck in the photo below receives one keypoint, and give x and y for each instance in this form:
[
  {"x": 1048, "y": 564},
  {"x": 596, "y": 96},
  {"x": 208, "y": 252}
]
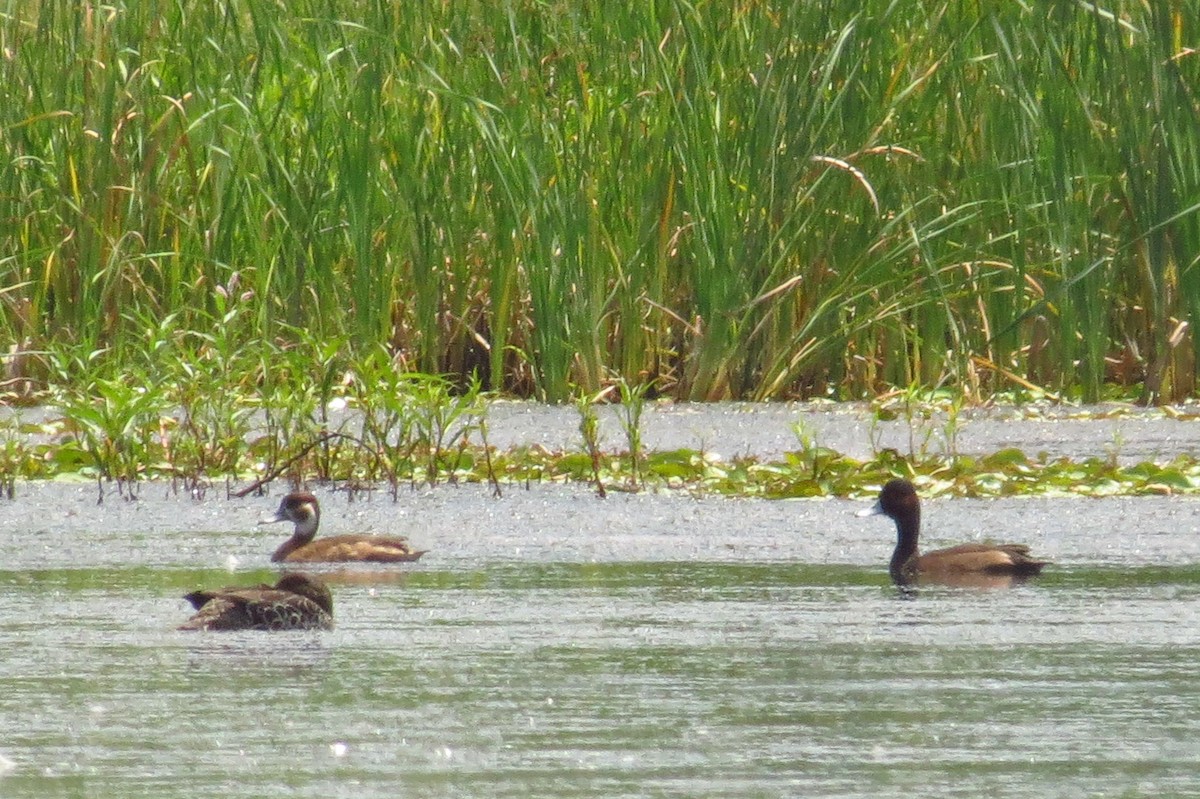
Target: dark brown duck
[
  {"x": 981, "y": 565},
  {"x": 296, "y": 602},
  {"x": 302, "y": 509}
]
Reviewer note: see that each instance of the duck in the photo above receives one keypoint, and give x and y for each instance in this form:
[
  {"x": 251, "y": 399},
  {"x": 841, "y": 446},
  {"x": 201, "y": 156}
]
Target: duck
[
  {"x": 302, "y": 509},
  {"x": 296, "y": 602},
  {"x": 978, "y": 565}
]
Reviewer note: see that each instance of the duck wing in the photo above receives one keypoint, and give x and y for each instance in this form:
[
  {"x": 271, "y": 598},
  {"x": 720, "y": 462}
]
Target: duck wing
[
  {"x": 981, "y": 558},
  {"x": 363, "y": 548},
  {"x": 201, "y": 598}
]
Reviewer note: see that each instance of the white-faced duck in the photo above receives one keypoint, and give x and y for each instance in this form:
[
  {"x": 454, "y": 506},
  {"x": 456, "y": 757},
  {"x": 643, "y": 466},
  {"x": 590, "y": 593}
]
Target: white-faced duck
[
  {"x": 296, "y": 602},
  {"x": 977, "y": 565},
  {"x": 302, "y": 509}
]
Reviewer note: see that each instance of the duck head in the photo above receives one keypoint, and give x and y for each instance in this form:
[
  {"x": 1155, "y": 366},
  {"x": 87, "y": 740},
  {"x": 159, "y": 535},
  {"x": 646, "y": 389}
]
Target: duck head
[
  {"x": 307, "y": 586},
  {"x": 898, "y": 501},
  {"x": 301, "y": 509}
]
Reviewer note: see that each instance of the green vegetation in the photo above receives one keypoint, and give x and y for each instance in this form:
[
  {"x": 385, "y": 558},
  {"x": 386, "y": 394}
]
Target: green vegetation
[
  {"x": 365, "y": 425},
  {"x": 710, "y": 199},
  {"x": 308, "y": 241}
]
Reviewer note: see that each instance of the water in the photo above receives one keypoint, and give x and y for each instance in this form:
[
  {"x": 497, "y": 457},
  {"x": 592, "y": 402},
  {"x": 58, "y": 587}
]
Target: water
[
  {"x": 556, "y": 645},
  {"x": 1121, "y": 432}
]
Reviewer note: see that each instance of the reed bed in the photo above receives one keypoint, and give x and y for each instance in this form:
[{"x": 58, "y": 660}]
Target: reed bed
[{"x": 710, "y": 199}]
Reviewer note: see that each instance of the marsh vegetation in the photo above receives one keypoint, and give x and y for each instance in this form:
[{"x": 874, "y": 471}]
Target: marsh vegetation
[
  {"x": 367, "y": 431},
  {"x": 712, "y": 200}
]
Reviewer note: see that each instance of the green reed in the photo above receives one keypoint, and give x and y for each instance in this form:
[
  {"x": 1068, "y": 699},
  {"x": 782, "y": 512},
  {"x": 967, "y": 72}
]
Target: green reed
[{"x": 750, "y": 200}]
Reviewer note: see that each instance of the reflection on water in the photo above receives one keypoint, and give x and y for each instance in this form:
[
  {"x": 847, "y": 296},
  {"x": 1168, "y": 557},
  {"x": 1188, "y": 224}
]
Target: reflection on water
[
  {"x": 286, "y": 655},
  {"x": 650, "y": 645},
  {"x": 632, "y": 679},
  {"x": 979, "y": 581}
]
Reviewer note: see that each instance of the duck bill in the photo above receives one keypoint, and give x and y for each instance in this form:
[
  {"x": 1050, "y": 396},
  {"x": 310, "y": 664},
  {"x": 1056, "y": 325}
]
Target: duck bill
[
  {"x": 278, "y": 517},
  {"x": 874, "y": 510}
]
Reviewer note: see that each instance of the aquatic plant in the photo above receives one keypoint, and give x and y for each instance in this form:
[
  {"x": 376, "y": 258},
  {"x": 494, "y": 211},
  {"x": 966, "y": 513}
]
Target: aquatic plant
[
  {"x": 589, "y": 429},
  {"x": 379, "y": 392},
  {"x": 18, "y": 458},
  {"x": 730, "y": 200},
  {"x": 115, "y": 422},
  {"x": 931, "y": 418},
  {"x": 444, "y": 419},
  {"x": 629, "y": 414},
  {"x": 428, "y": 433},
  {"x": 207, "y": 373}
]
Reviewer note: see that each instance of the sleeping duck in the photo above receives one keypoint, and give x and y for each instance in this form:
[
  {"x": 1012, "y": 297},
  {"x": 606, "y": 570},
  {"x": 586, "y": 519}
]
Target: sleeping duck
[{"x": 296, "y": 602}]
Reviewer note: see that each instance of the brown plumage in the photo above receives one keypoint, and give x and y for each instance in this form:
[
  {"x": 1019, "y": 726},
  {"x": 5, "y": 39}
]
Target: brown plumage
[
  {"x": 302, "y": 509},
  {"x": 296, "y": 602},
  {"x": 981, "y": 565}
]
